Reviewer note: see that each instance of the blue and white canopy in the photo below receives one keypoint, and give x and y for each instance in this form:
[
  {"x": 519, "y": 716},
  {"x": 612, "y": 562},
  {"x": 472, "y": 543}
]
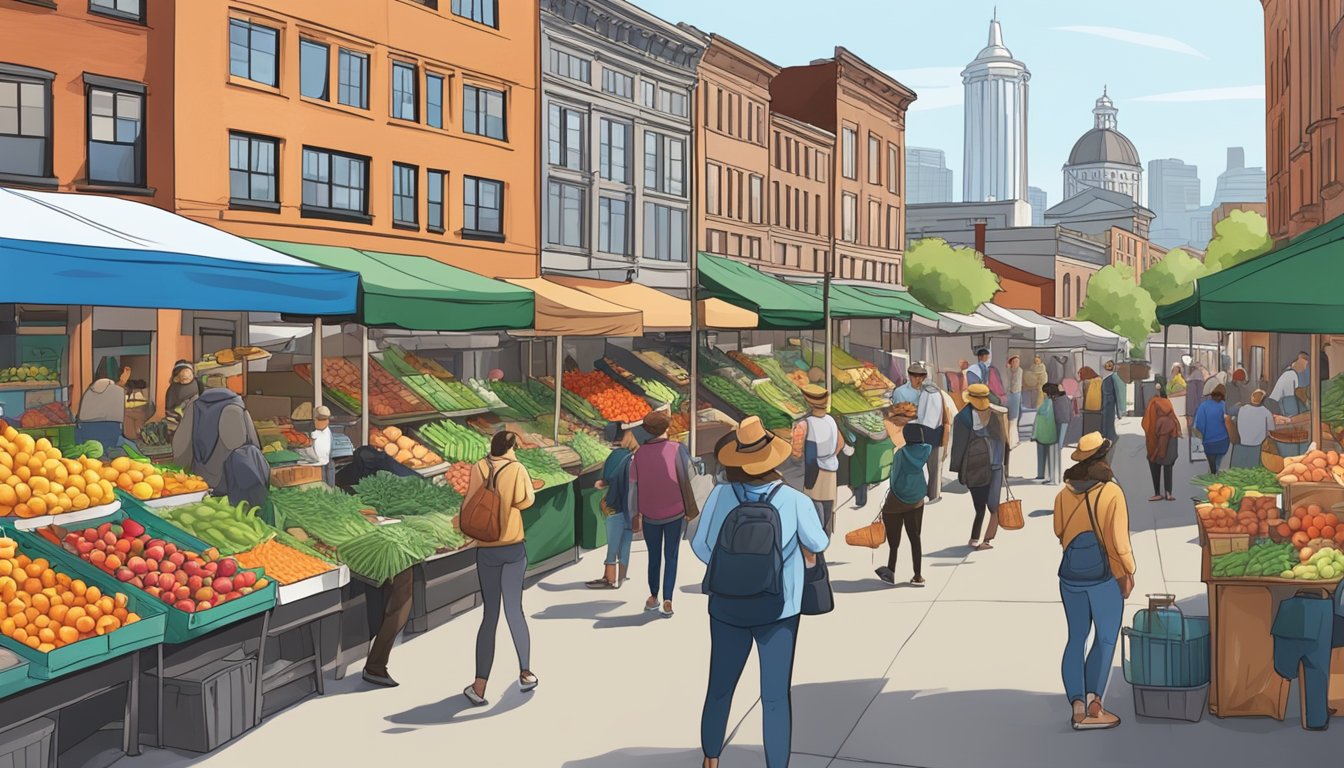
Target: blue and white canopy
[{"x": 58, "y": 248}]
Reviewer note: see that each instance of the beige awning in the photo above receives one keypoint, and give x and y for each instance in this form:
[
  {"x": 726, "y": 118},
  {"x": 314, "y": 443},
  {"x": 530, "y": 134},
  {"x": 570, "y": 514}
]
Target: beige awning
[
  {"x": 564, "y": 311},
  {"x": 661, "y": 311}
]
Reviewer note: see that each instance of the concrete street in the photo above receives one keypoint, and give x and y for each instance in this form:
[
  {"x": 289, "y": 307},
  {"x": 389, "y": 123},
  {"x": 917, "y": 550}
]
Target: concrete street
[{"x": 961, "y": 674}]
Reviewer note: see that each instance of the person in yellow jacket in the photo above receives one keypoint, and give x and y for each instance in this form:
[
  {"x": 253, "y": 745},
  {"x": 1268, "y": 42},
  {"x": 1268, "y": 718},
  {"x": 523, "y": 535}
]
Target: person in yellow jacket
[{"x": 1096, "y": 574}]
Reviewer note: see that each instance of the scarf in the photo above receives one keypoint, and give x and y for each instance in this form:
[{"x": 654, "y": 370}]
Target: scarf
[{"x": 1159, "y": 426}]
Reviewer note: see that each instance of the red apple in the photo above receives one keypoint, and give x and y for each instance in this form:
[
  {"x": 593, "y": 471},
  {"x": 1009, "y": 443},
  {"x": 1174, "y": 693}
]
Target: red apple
[
  {"x": 222, "y": 584},
  {"x": 182, "y": 592},
  {"x": 154, "y": 553},
  {"x": 203, "y": 594},
  {"x": 185, "y": 605},
  {"x": 227, "y": 567},
  {"x": 84, "y": 548},
  {"x": 125, "y": 574},
  {"x": 138, "y": 564},
  {"x": 131, "y": 528},
  {"x": 176, "y": 558},
  {"x": 204, "y": 605},
  {"x": 234, "y": 595}
]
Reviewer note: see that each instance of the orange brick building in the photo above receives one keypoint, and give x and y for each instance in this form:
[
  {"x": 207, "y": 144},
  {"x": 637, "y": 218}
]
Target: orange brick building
[{"x": 800, "y": 188}]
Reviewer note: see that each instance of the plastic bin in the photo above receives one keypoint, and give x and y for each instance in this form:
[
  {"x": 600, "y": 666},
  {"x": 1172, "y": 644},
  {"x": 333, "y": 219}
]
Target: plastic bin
[
  {"x": 211, "y": 705},
  {"x": 1165, "y": 648},
  {"x": 1186, "y": 704},
  {"x": 28, "y": 745}
]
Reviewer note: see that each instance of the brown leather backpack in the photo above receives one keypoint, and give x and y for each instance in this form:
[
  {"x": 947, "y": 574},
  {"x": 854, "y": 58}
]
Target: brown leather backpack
[{"x": 480, "y": 518}]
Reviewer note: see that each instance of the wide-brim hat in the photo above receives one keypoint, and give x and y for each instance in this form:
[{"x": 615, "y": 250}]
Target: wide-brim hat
[
  {"x": 753, "y": 449},
  {"x": 1089, "y": 445},
  {"x": 978, "y": 396},
  {"x": 918, "y": 369},
  {"x": 816, "y": 394}
]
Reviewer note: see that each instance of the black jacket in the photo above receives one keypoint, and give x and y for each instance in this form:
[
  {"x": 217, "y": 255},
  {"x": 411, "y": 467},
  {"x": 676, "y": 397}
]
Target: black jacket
[{"x": 963, "y": 428}]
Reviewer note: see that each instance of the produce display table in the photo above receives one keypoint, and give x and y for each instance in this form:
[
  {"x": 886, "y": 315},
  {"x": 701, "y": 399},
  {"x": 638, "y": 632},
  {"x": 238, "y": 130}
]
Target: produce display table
[
  {"x": 244, "y": 638},
  {"x": 446, "y": 585},
  {"x": 49, "y": 698},
  {"x": 305, "y": 614},
  {"x": 549, "y": 526}
]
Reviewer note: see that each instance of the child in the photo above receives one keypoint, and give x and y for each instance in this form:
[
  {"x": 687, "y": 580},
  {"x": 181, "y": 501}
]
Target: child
[{"x": 904, "y": 506}]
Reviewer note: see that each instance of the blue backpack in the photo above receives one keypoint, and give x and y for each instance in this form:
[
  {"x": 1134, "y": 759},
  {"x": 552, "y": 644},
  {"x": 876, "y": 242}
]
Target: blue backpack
[{"x": 745, "y": 577}]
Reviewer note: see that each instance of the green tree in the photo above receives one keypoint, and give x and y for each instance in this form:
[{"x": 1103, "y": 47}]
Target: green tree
[
  {"x": 1243, "y": 235},
  {"x": 1173, "y": 277},
  {"x": 947, "y": 278},
  {"x": 1117, "y": 303}
]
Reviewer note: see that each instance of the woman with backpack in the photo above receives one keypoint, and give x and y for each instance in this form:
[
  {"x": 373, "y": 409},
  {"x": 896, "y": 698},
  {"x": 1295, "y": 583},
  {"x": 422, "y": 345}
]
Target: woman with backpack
[
  {"x": 1161, "y": 432},
  {"x": 980, "y": 458},
  {"x": 501, "y": 559},
  {"x": 755, "y": 592},
  {"x": 616, "y": 506},
  {"x": 1045, "y": 431},
  {"x": 1096, "y": 574},
  {"x": 904, "y": 507}
]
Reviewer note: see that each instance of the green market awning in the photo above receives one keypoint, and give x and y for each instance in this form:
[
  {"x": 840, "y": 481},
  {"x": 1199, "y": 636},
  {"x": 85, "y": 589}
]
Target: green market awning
[
  {"x": 420, "y": 294},
  {"x": 848, "y": 303},
  {"x": 896, "y": 300},
  {"x": 779, "y": 305},
  {"x": 1295, "y": 289}
]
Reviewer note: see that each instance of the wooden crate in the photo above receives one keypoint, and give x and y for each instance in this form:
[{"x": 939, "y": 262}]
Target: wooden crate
[{"x": 285, "y": 477}]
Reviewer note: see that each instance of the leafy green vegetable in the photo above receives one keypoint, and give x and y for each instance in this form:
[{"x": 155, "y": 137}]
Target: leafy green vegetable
[{"x": 396, "y": 496}]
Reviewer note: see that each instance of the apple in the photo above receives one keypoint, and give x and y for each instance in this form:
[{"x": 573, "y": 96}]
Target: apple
[
  {"x": 176, "y": 558},
  {"x": 195, "y": 582},
  {"x": 204, "y": 593},
  {"x": 234, "y": 595},
  {"x": 204, "y": 605},
  {"x": 153, "y": 591},
  {"x": 131, "y": 528},
  {"x": 154, "y": 553},
  {"x": 227, "y": 567},
  {"x": 138, "y": 564},
  {"x": 169, "y": 547},
  {"x": 125, "y": 574},
  {"x": 222, "y": 584},
  {"x": 104, "y": 529},
  {"x": 185, "y": 605},
  {"x": 168, "y": 597},
  {"x": 183, "y": 592},
  {"x": 138, "y": 547},
  {"x": 245, "y": 590},
  {"x": 83, "y": 547},
  {"x": 110, "y": 538}
]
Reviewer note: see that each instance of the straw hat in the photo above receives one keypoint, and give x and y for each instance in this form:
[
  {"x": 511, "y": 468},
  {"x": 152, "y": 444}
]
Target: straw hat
[
  {"x": 321, "y": 413},
  {"x": 753, "y": 449},
  {"x": 1089, "y": 445},
  {"x": 816, "y": 395},
  {"x": 978, "y": 396},
  {"x": 1257, "y": 396}
]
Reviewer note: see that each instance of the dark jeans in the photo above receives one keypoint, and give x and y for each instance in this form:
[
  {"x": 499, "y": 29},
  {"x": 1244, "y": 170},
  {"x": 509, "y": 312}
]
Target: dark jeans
[
  {"x": 664, "y": 542},
  {"x": 986, "y": 498},
  {"x": 729, "y": 647},
  {"x": 396, "y": 611},
  {"x": 912, "y": 521},
  {"x": 1214, "y": 460},
  {"x": 861, "y": 495},
  {"x": 501, "y": 571},
  {"x": 1161, "y": 473}
]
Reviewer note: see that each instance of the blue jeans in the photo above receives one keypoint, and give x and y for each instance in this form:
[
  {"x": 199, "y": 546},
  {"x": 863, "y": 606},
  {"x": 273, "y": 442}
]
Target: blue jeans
[
  {"x": 729, "y": 647},
  {"x": 664, "y": 541},
  {"x": 619, "y": 536},
  {"x": 1088, "y": 607}
]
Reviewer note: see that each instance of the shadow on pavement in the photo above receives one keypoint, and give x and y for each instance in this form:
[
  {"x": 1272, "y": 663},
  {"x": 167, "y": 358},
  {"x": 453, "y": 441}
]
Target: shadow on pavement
[
  {"x": 1041, "y": 513},
  {"x": 591, "y": 610},
  {"x": 453, "y": 710},
  {"x": 572, "y": 586}
]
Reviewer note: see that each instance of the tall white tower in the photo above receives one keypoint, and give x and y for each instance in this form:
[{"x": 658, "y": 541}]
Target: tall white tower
[{"x": 995, "y": 166}]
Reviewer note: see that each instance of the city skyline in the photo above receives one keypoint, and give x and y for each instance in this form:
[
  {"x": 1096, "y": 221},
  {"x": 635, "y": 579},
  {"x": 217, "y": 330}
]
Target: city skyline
[{"x": 1163, "y": 82}]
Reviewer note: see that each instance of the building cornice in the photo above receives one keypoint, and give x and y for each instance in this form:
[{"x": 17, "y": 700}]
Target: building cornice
[
  {"x": 883, "y": 89},
  {"x": 623, "y": 24}
]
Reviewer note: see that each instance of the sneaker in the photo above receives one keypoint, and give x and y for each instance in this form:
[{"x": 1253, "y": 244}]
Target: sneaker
[
  {"x": 383, "y": 680},
  {"x": 1096, "y": 719},
  {"x": 884, "y": 573},
  {"x": 665, "y": 610},
  {"x": 918, "y": 580}
]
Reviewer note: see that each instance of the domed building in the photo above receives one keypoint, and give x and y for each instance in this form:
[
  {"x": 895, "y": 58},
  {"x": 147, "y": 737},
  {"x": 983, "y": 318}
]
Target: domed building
[{"x": 1103, "y": 158}]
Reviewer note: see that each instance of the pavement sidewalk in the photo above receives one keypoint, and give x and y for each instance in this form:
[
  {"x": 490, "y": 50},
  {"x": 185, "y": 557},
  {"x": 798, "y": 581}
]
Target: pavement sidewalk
[{"x": 963, "y": 673}]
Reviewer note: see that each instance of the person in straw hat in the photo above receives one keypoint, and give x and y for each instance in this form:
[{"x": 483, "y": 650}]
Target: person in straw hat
[
  {"x": 818, "y": 442},
  {"x": 739, "y": 614},
  {"x": 1096, "y": 574},
  {"x": 980, "y": 456},
  {"x": 1254, "y": 423}
]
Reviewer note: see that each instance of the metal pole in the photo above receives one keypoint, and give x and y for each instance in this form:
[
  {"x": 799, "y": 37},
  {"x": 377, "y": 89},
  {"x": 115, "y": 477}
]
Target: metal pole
[
  {"x": 1314, "y": 386},
  {"x": 559, "y": 385},
  {"x": 693, "y": 281},
  {"x": 365, "y": 343},
  {"x": 317, "y": 362}
]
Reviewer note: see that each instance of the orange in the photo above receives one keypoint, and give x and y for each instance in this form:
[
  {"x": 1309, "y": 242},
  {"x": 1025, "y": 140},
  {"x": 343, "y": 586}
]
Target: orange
[
  {"x": 84, "y": 625},
  {"x": 67, "y": 635}
]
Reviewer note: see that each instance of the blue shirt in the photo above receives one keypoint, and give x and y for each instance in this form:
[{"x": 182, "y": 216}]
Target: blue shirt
[
  {"x": 799, "y": 524},
  {"x": 905, "y": 394},
  {"x": 616, "y": 474},
  {"x": 1210, "y": 423}
]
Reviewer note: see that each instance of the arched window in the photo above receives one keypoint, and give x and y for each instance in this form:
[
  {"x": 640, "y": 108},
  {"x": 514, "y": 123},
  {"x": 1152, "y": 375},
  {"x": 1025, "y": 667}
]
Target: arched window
[
  {"x": 1078, "y": 290},
  {"x": 1068, "y": 297}
]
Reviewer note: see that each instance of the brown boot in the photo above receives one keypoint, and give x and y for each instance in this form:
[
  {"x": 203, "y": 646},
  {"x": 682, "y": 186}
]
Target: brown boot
[{"x": 608, "y": 580}]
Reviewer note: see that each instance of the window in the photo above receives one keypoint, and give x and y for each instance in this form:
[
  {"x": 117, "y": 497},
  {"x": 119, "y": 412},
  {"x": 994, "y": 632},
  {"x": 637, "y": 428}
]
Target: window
[
  {"x": 614, "y": 160},
  {"x": 405, "y": 101},
  {"x": 405, "y": 195},
  {"x": 648, "y": 92},
  {"x": 711, "y": 188},
  {"x": 893, "y": 169},
  {"x": 116, "y": 136},
  {"x": 672, "y": 102},
  {"x": 566, "y": 137},
  {"x": 564, "y": 214},
  {"x": 353, "y": 90},
  {"x": 715, "y": 239},
  {"x": 664, "y": 233},
  {"x": 893, "y": 228},
  {"x": 756, "y": 207},
  {"x": 754, "y": 248},
  {"x": 664, "y": 163},
  {"x": 482, "y": 209},
  {"x": 874, "y": 159},
  {"x": 483, "y": 112},
  {"x": 434, "y": 201},
  {"x": 253, "y": 175},
  {"x": 335, "y": 184},
  {"x": 571, "y": 66},
  {"x": 433, "y": 100},
  {"x": 25, "y": 121},
  {"x": 776, "y": 220},
  {"x": 613, "y": 225},
  {"x": 618, "y": 84},
  {"x": 131, "y": 10},
  {"x": 252, "y": 52},
  {"x": 849, "y": 213},
  {"x": 314, "y": 70},
  {"x": 848, "y": 151},
  {"x": 427, "y": 3},
  {"x": 480, "y": 11},
  {"x": 874, "y": 223},
  {"x": 1068, "y": 296}
]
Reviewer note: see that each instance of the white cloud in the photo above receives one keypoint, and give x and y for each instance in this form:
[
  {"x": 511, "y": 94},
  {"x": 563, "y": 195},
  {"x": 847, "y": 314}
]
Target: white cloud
[
  {"x": 1133, "y": 37},
  {"x": 937, "y": 87},
  {"x": 1231, "y": 93}
]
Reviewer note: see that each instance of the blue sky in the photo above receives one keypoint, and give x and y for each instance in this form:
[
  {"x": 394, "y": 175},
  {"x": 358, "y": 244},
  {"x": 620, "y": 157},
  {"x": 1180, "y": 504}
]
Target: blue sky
[{"x": 1187, "y": 75}]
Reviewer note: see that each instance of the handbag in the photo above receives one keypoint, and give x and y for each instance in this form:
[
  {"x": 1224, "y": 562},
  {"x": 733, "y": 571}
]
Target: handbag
[
  {"x": 1010, "y": 511},
  {"x": 872, "y": 536},
  {"x": 817, "y": 597}
]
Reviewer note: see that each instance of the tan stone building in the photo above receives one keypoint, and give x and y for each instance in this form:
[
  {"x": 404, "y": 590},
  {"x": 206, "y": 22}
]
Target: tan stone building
[{"x": 865, "y": 109}]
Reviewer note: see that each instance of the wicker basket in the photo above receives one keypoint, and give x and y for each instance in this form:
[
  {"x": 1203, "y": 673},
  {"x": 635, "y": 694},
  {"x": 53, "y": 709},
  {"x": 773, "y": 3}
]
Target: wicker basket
[{"x": 872, "y": 536}]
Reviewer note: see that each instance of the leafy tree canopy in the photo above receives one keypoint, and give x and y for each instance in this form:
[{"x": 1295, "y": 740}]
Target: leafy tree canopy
[
  {"x": 1117, "y": 303},
  {"x": 1241, "y": 236},
  {"x": 947, "y": 278},
  {"x": 1173, "y": 277}
]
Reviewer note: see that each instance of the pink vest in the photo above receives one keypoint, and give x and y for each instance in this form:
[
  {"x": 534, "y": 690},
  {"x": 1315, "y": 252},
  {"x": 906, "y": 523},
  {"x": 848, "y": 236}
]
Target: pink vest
[{"x": 655, "y": 469}]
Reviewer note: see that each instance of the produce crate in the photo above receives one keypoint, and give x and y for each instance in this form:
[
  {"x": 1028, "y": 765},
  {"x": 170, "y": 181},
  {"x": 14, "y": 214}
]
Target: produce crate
[
  {"x": 591, "y": 523},
  {"x": 61, "y": 436},
  {"x": 207, "y": 707},
  {"x": 286, "y": 477},
  {"x": 1227, "y": 543},
  {"x": 1186, "y": 704},
  {"x": 181, "y": 499},
  {"x": 335, "y": 578},
  {"x": 180, "y": 626},
  {"x": 445, "y": 585},
  {"x": 29, "y": 745},
  {"x": 146, "y": 632},
  {"x": 13, "y": 672}
]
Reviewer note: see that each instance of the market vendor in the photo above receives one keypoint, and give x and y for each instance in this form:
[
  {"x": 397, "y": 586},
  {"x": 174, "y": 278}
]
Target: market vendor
[
  {"x": 983, "y": 372},
  {"x": 1284, "y": 399},
  {"x": 1113, "y": 401},
  {"x": 185, "y": 386},
  {"x": 1254, "y": 422},
  {"x": 321, "y": 435},
  {"x": 218, "y": 441},
  {"x": 102, "y": 411}
]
